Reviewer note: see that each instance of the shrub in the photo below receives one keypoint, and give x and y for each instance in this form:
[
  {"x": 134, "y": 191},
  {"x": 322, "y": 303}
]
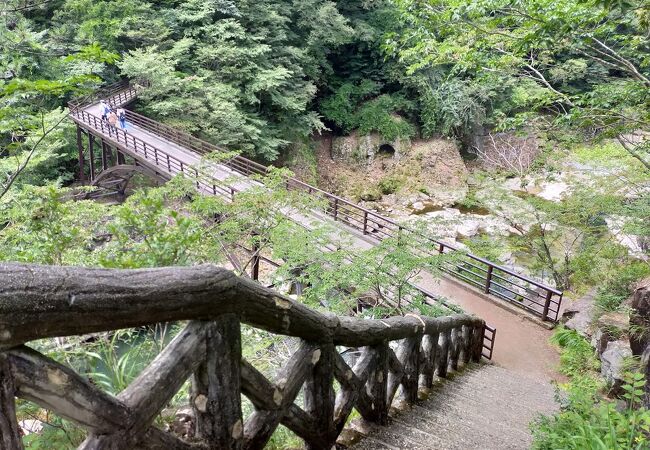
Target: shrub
[
  {"x": 587, "y": 421},
  {"x": 619, "y": 286},
  {"x": 389, "y": 185}
]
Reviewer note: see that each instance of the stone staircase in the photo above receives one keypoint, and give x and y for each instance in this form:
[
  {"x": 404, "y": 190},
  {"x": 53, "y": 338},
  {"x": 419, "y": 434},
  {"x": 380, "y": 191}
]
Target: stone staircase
[{"x": 483, "y": 407}]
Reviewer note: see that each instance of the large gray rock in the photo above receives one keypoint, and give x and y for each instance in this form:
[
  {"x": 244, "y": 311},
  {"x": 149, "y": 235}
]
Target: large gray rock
[
  {"x": 363, "y": 149},
  {"x": 609, "y": 327},
  {"x": 613, "y": 362},
  {"x": 579, "y": 314}
]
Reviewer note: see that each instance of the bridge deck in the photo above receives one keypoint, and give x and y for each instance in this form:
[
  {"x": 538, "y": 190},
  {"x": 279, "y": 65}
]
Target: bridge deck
[{"x": 523, "y": 345}]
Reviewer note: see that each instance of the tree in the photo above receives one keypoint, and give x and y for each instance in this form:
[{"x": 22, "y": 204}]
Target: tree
[{"x": 582, "y": 62}]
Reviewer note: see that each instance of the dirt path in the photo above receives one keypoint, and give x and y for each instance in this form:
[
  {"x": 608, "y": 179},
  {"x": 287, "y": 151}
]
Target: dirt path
[{"x": 521, "y": 345}]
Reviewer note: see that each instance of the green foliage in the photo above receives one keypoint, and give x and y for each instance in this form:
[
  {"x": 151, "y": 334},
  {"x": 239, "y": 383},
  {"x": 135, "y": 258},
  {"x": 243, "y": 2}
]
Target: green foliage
[
  {"x": 389, "y": 185},
  {"x": 358, "y": 106},
  {"x": 588, "y": 421},
  {"x": 618, "y": 286},
  {"x": 577, "y": 356},
  {"x": 543, "y": 63}
]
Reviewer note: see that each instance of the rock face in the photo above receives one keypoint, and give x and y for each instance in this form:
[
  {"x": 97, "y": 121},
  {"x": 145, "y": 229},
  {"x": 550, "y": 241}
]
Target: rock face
[
  {"x": 640, "y": 327},
  {"x": 579, "y": 314},
  {"x": 613, "y": 362},
  {"x": 360, "y": 149}
]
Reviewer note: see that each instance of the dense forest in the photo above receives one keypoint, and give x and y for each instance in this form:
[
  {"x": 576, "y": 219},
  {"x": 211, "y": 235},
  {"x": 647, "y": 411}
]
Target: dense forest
[{"x": 543, "y": 106}]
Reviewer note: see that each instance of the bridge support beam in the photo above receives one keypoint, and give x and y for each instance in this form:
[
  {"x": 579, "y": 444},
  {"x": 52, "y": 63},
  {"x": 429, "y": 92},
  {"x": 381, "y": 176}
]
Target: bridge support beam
[
  {"x": 91, "y": 155},
  {"x": 105, "y": 152},
  {"x": 80, "y": 148}
]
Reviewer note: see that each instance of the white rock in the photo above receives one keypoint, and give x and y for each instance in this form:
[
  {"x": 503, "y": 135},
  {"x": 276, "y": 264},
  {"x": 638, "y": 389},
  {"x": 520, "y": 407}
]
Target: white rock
[{"x": 30, "y": 426}]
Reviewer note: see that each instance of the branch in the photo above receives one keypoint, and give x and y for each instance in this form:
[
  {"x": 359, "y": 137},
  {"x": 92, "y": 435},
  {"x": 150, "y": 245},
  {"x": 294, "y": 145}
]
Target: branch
[
  {"x": 632, "y": 151},
  {"x": 631, "y": 68},
  {"x": 21, "y": 167}
]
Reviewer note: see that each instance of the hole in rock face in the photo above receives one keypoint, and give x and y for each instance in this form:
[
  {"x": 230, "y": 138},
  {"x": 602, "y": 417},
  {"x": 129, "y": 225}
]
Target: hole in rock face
[{"x": 386, "y": 150}]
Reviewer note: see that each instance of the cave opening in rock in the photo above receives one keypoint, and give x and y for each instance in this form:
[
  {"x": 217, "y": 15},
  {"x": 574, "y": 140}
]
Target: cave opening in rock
[{"x": 386, "y": 150}]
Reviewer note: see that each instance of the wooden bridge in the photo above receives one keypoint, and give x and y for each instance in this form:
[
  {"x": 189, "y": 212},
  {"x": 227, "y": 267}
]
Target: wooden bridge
[{"x": 167, "y": 152}]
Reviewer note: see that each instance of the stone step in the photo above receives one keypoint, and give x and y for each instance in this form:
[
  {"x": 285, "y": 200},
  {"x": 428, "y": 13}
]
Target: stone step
[{"x": 482, "y": 407}]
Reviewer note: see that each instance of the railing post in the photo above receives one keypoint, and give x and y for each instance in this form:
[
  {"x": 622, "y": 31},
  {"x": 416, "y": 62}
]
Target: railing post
[
  {"x": 319, "y": 398},
  {"x": 365, "y": 222},
  {"x": 478, "y": 334},
  {"x": 466, "y": 344},
  {"x": 453, "y": 349},
  {"x": 429, "y": 351},
  {"x": 378, "y": 384},
  {"x": 91, "y": 155},
  {"x": 255, "y": 270},
  {"x": 412, "y": 370},
  {"x": 80, "y": 147},
  {"x": 216, "y": 387},
  {"x": 488, "y": 279},
  {"x": 9, "y": 431},
  {"x": 547, "y": 305},
  {"x": 443, "y": 351}
]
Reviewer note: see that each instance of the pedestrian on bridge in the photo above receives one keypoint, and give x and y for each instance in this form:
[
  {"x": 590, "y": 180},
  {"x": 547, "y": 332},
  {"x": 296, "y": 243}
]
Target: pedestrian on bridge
[
  {"x": 112, "y": 122},
  {"x": 121, "y": 116},
  {"x": 105, "y": 109}
]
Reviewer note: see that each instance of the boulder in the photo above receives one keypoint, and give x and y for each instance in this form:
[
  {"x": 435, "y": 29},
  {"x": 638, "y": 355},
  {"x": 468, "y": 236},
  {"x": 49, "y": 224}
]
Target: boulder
[
  {"x": 609, "y": 327},
  {"x": 578, "y": 315},
  {"x": 613, "y": 364},
  {"x": 640, "y": 317},
  {"x": 468, "y": 228},
  {"x": 345, "y": 147},
  {"x": 30, "y": 426}
]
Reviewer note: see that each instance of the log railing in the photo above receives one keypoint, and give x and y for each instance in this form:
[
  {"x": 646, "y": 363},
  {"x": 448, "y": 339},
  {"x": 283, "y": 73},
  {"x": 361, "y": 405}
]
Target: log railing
[{"x": 398, "y": 357}]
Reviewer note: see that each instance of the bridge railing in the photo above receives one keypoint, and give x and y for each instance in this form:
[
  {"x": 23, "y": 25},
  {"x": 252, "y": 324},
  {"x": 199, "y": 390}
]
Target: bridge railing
[
  {"x": 163, "y": 162},
  {"x": 491, "y": 278},
  {"x": 396, "y": 357},
  {"x": 118, "y": 93}
]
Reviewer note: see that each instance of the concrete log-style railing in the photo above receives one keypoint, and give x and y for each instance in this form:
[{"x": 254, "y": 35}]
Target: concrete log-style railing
[{"x": 399, "y": 355}]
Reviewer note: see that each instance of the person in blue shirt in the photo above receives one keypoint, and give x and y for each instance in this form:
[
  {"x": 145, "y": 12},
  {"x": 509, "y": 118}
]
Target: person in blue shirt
[{"x": 121, "y": 116}]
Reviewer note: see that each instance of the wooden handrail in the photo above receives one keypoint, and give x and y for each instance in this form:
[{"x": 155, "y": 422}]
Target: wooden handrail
[
  {"x": 74, "y": 301},
  {"x": 45, "y": 301}
]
